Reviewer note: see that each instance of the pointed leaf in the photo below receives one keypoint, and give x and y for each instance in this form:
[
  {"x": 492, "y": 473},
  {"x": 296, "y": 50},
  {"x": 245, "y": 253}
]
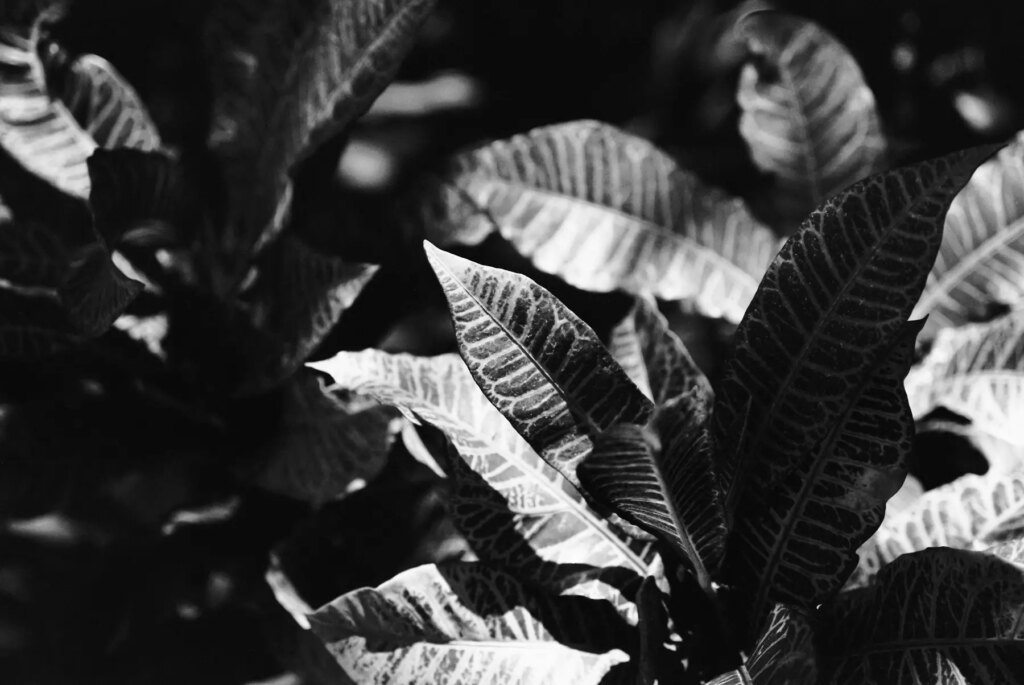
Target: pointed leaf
[
  {"x": 981, "y": 262},
  {"x": 938, "y": 616},
  {"x": 605, "y": 210},
  {"x": 543, "y": 368},
  {"x": 467, "y": 623},
  {"x": 30, "y": 255},
  {"x": 96, "y": 292},
  {"x": 784, "y": 653},
  {"x": 976, "y": 371},
  {"x": 807, "y": 114},
  {"x": 834, "y": 298}
]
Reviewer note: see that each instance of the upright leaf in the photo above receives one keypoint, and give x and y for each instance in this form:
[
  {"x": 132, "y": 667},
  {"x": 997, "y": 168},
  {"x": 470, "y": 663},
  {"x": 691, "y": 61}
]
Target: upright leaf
[
  {"x": 976, "y": 371},
  {"x": 783, "y": 655},
  {"x": 468, "y": 623},
  {"x": 807, "y": 114},
  {"x": 980, "y": 264},
  {"x": 938, "y": 616},
  {"x": 605, "y": 211},
  {"x": 543, "y": 368}
]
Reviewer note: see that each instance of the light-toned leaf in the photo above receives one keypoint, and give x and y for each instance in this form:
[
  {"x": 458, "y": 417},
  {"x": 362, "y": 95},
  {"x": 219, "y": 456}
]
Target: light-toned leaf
[
  {"x": 808, "y": 117},
  {"x": 939, "y": 616},
  {"x": 515, "y": 510},
  {"x": 654, "y": 358},
  {"x": 289, "y": 76},
  {"x": 543, "y": 368},
  {"x": 468, "y": 623},
  {"x": 835, "y": 297},
  {"x": 783, "y": 655},
  {"x": 96, "y": 292},
  {"x": 981, "y": 261},
  {"x": 604, "y": 211},
  {"x": 976, "y": 371}
]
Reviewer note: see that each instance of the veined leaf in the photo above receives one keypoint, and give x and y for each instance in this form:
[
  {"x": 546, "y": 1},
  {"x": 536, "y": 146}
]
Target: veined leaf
[
  {"x": 981, "y": 261},
  {"x": 655, "y": 359},
  {"x": 604, "y": 211},
  {"x": 107, "y": 107},
  {"x": 783, "y": 655},
  {"x": 807, "y": 114},
  {"x": 96, "y": 292},
  {"x": 662, "y": 479},
  {"x": 543, "y": 368},
  {"x": 516, "y": 511},
  {"x": 976, "y": 371},
  {"x": 468, "y": 623},
  {"x": 292, "y": 75},
  {"x": 833, "y": 300},
  {"x": 30, "y": 255},
  {"x": 937, "y": 616},
  {"x": 326, "y": 443},
  {"x": 36, "y": 130},
  {"x": 796, "y": 540}
]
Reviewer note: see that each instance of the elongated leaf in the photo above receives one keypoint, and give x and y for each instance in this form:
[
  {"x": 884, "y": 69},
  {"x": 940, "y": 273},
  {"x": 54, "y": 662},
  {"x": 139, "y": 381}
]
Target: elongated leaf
[
  {"x": 807, "y": 114},
  {"x": 106, "y": 106},
  {"x": 36, "y": 130},
  {"x": 981, "y": 262},
  {"x": 662, "y": 479},
  {"x": 515, "y": 510},
  {"x": 292, "y": 75},
  {"x": 30, "y": 255},
  {"x": 655, "y": 359},
  {"x": 834, "y": 298},
  {"x": 326, "y": 444},
  {"x": 976, "y": 371},
  {"x": 939, "y": 616},
  {"x": 784, "y": 653},
  {"x": 467, "y": 623},
  {"x": 96, "y": 292},
  {"x": 605, "y": 210},
  {"x": 543, "y": 368}
]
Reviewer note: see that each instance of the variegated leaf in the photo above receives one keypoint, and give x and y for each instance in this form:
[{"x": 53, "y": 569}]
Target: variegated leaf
[
  {"x": 655, "y": 359},
  {"x": 939, "y": 617},
  {"x": 783, "y": 655},
  {"x": 30, "y": 255},
  {"x": 467, "y": 623},
  {"x": 835, "y": 297},
  {"x": 662, "y": 478},
  {"x": 516, "y": 511},
  {"x": 981, "y": 261},
  {"x": 976, "y": 371},
  {"x": 326, "y": 443},
  {"x": 106, "y": 106},
  {"x": 543, "y": 368},
  {"x": 807, "y": 114},
  {"x": 96, "y": 292},
  {"x": 605, "y": 211},
  {"x": 289, "y": 76}
]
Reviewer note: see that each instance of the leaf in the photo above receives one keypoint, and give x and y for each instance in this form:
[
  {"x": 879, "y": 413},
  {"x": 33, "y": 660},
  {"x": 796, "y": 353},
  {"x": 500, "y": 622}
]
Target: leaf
[
  {"x": 976, "y": 371},
  {"x": 31, "y": 327},
  {"x": 291, "y": 75},
  {"x": 107, "y": 107},
  {"x": 516, "y": 511},
  {"x": 835, "y": 297},
  {"x": 604, "y": 211},
  {"x": 327, "y": 443},
  {"x": 980, "y": 264},
  {"x": 662, "y": 479},
  {"x": 783, "y": 655},
  {"x": 543, "y": 368},
  {"x": 96, "y": 292},
  {"x": 30, "y": 255},
  {"x": 36, "y": 130},
  {"x": 467, "y": 623},
  {"x": 808, "y": 117},
  {"x": 937, "y": 616},
  {"x": 654, "y": 358}
]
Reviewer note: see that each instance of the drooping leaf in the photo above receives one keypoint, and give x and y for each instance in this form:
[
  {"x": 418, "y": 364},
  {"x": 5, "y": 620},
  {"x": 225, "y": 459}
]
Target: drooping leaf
[
  {"x": 605, "y": 210},
  {"x": 939, "y": 616},
  {"x": 783, "y": 655},
  {"x": 515, "y": 510},
  {"x": 808, "y": 117},
  {"x": 30, "y": 255},
  {"x": 654, "y": 358},
  {"x": 326, "y": 443},
  {"x": 976, "y": 371},
  {"x": 835, "y": 297},
  {"x": 980, "y": 264},
  {"x": 662, "y": 479},
  {"x": 96, "y": 292},
  {"x": 106, "y": 106},
  {"x": 543, "y": 368},
  {"x": 289, "y": 76},
  {"x": 468, "y": 623}
]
